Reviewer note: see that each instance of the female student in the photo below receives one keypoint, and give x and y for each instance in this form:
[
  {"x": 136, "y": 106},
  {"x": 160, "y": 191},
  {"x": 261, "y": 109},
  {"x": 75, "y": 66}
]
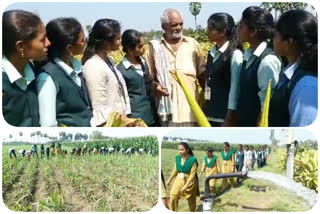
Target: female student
[
  {"x": 138, "y": 80},
  {"x": 259, "y": 64},
  {"x": 185, "y": 184},
  {"x": 63, "y": 96},
  {"x": 247, "y": 159},
  {"x": 295, "y": 99},
  {"x": 106, "y": 85},
  {"x": 227, "y": 165},
  {"x": 23, "y": 39},
  {"x": 222, "y": 72},
  {"x": 210, "y": 166}
]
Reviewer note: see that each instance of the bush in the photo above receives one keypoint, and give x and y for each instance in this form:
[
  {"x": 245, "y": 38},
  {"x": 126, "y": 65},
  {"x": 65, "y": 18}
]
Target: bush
[{"x": 305, "y": 166}]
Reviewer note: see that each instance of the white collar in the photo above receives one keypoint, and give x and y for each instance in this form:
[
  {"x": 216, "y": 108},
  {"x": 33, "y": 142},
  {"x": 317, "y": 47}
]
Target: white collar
[
  {"x": 289, "y": 71},
  {"x": 222, "y": 49},
  {"x": 76, "y": 66},
  {"x": 259, "y": 50},
  {"x": 14, "y": 75},
  {"x": 128, "y": 64}
]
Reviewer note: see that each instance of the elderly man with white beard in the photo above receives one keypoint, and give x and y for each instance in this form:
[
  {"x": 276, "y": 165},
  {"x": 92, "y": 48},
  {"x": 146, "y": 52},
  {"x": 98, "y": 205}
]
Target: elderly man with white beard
[{"x": 175, "y": 53}]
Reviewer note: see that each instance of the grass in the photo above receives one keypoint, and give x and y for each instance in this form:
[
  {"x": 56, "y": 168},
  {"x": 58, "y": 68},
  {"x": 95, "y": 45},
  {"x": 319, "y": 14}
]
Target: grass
[{"x": 240, "y": 198}]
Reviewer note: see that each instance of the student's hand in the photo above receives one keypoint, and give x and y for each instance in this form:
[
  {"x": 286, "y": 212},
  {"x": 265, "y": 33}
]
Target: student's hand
[
  {"x": 183, "y": 189},
  {"x": 168, "y": 182},
  {"x": 161, "y": 91}
]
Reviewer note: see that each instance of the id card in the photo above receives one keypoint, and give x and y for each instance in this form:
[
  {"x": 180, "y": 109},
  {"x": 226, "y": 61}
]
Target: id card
[
  {"x": 181, "y": 174},
  {"x": 207, "y": 92}
]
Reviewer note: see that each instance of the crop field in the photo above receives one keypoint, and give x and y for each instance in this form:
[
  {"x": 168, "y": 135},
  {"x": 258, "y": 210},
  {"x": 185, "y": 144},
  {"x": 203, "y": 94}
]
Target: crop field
[
  {"x": 95, "y": 182},
  {"x": 239, "y": 198}
]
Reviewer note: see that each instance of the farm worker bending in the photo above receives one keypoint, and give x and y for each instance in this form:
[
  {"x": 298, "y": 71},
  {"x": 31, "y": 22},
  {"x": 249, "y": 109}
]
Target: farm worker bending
[
  {"x": 185, "y": 184},
  {"x": 12, "y": 152},
  {"x": 35, "y": 149},
  {"x": 42, "y": 150},
  {"x": 175, "y": 53},
  {"x": 48, "y": 152},
  {"x": 227, "y": 165},
  {"x": 211, "y": 166}
]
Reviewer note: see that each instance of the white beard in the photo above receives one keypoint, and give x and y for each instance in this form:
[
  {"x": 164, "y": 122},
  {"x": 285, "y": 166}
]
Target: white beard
[{"x": 175, "y": 35}]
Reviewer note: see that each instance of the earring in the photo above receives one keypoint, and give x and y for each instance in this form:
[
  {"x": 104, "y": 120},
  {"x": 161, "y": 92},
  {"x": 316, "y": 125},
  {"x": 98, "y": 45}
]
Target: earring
[{"x": 22, "y": 54}]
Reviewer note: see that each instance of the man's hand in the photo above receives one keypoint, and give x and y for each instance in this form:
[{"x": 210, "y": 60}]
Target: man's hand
[{"x": 161, "y": 90}]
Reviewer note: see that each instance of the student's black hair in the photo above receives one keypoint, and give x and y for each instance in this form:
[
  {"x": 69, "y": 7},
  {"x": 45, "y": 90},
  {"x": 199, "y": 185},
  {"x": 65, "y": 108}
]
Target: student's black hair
[
  {"x": 130, "y": 39},
  {"x": 62, "y": 32},
  {"x": 210, "y": 149},
  {"x": 227, "y": 144},
  {"x": 103, "y": 30},
  {"x": 302, "y": 27},
  {"x": 187, "y": 147},
  {"x": 18, "y": 25},
  {"x": 259, "y": 19},
  {"x": 223, "y": 21},
  {"x": 240, "y": 145}
]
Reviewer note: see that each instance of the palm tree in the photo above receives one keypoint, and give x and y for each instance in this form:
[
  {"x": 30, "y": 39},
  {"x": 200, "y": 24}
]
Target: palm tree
[{"x": 195, "y": 8}]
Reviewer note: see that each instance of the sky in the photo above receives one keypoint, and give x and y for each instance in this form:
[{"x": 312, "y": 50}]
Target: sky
[
  {"x": 113, "y": 132},
  {"x": 141, "y": 16},
  {"x": 244, "y": 136}
]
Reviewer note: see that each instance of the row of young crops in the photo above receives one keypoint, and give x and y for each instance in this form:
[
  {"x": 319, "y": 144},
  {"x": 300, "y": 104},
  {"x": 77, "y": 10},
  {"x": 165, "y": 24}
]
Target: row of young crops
[
  {"x": 146, "y": 142},
  {"x": 82, "y": 183}
]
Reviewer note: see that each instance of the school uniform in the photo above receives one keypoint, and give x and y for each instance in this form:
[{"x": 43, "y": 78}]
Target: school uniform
[
  {"x": 254, "y": 157},
  {"x": 139, "y": 85},
  {"x": 63, "y": 96},
  {"x": 222, "y": 83},
  {"x": 211, "y": 167},
  {"x": 258, "y": 68},
  {"x": 239, "y": 160},
  {"x": 264, "y": 157},
  {"x": 227, "y": 167},
  {"x": 185, "y": 172},
  {"x": 20, "y": 106},
  {"x": 294, "y": 101},
  {"x": 247, "y": 160},
  {"x": 260, "y": 159}
]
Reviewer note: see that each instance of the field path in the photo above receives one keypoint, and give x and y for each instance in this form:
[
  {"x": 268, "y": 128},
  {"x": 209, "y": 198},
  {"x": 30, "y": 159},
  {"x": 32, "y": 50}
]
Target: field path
[
  {"x": 40, "y": 189},
  {"x": 72, "y": 198}
]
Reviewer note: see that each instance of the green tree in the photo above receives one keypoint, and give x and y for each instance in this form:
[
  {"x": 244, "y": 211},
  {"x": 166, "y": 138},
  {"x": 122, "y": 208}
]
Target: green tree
[
  {"x": 96, "y": 135},
  {"x": 195, "y": 8},
  {"x": 281, "y": 7}
]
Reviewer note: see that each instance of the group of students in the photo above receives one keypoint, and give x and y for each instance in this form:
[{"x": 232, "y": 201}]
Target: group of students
[
  {"x": 186, "y": 182},
  {"x": 246, "y": 159},
  {"x": 43, "y": 84}
]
